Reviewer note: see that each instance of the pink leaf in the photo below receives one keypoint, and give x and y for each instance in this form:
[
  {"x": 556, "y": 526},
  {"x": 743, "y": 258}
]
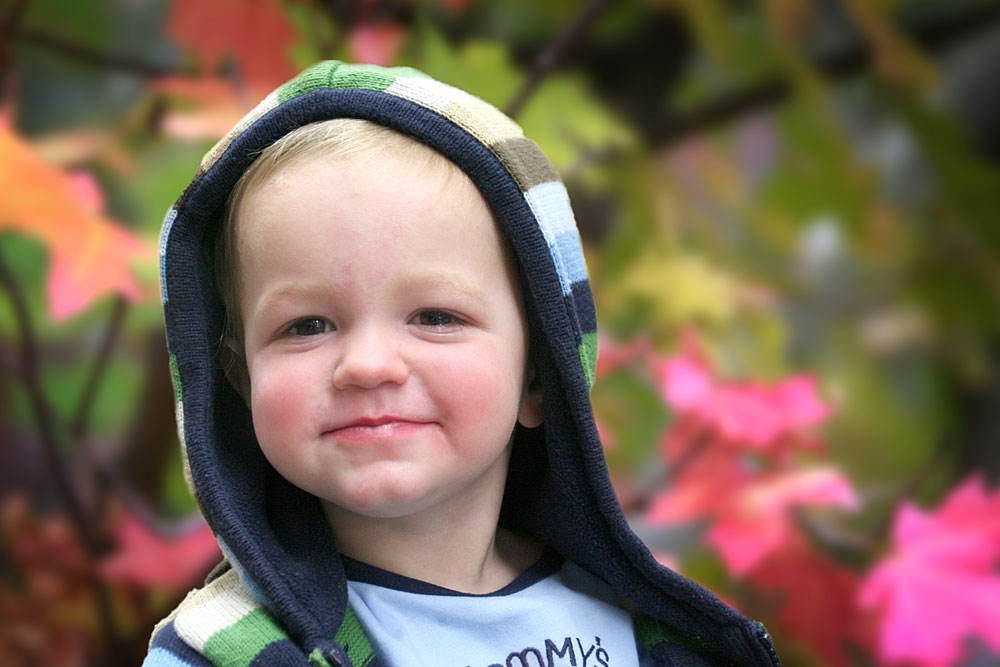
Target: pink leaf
[
  {"x": 744, "y": 413},
  {"x": 686, "y": 384},
  {"x": 940, "y": 584},
  {"x": 758, "y": 519},
  {"x": 376, "y": 44},
  {"x": 149, "y": 560},
  {"x": 98, "y": 263},
  {"x": 612, "y": 356}
]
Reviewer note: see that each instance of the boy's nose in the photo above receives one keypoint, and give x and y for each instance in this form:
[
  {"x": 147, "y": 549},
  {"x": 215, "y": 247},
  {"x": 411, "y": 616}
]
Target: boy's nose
[{"x": 367, "y": 361}]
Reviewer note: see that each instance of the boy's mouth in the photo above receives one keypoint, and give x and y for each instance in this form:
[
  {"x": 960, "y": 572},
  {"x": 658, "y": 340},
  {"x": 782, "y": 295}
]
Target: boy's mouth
[{"x": 376, "y": 428}]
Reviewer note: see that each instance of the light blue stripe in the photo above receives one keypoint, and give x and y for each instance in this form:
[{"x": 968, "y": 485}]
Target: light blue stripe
[
  {"x": 568, "y": 247},
  {"x": 168, "y": 223},
  {"x": 161, "y": 657},
  {"x": 550, "y": 204}
]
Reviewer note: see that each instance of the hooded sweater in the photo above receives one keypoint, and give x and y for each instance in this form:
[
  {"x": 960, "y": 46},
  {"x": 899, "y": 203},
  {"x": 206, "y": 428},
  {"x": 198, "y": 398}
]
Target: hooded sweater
[{"x": 280, "y": 597}]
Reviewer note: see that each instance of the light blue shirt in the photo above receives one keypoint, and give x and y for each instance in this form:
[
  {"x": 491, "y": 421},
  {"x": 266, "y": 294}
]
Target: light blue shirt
[{"x": 550, "y": 616}]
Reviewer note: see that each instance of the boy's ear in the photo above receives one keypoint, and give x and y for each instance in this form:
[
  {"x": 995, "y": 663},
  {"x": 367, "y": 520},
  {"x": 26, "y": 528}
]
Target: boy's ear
[
  {"x": 235, "y": 369},
  {"x": 529, "y": 414}
]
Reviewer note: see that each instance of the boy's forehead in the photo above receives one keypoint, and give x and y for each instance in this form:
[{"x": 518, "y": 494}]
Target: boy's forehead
[
  {"x": 357, "y": 198},
  {"x": 437, "y": 180},
  {"x": 340, "y": 187}
]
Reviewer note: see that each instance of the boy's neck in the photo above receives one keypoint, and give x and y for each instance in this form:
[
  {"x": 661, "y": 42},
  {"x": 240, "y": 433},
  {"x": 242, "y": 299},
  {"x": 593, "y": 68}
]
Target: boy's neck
[{"x": 465, "y": 551}]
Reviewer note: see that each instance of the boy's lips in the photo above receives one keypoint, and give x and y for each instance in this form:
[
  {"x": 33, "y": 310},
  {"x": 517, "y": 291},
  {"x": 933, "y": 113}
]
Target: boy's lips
[{"x": 376, "y": 428}]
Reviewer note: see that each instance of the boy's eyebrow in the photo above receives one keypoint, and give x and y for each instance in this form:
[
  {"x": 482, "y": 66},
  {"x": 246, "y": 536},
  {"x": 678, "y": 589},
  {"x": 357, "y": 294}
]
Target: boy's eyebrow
[
  {"x": 289, "y": 290},
  {"x": 451, "y": 282}
]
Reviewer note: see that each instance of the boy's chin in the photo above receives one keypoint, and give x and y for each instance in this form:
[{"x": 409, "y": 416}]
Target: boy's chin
[{"x": 386, "y": 506}]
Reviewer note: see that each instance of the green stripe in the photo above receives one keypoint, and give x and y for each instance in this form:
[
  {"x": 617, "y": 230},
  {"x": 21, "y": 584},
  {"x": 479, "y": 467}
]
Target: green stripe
[
  {"x": 175, "y": 376},
  {"x": 334, "y": 74},
  {"x": 588, "y": 356},
  {"x": 316, "y": 659},
  {"x": 651, "y": 632},
  {"x": 352, "y": 637},
  {"x": 239, "y": 644}
]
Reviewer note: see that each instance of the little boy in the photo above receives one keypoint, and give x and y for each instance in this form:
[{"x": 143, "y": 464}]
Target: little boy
[{"x": 393, "y": 441}]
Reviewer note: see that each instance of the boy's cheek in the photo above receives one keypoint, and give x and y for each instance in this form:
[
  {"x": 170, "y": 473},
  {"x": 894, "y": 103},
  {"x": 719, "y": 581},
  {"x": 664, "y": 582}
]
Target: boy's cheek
[{"x": 278, "y": 395}]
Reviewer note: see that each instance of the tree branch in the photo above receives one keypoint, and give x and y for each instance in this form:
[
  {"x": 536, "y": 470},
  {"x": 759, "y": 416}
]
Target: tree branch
[
  {"x": 773, "y": 90},
  {"x": 81, "y": 417},
  {"x": 549, "y": 59}
]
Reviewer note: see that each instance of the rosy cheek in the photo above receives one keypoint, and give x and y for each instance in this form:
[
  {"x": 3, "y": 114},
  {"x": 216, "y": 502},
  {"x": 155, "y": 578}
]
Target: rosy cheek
[{"x": 278, "y": 400}]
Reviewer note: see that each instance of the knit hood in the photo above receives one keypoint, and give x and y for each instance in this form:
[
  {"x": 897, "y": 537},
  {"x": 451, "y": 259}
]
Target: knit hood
[{"x": 275, "y": 535}]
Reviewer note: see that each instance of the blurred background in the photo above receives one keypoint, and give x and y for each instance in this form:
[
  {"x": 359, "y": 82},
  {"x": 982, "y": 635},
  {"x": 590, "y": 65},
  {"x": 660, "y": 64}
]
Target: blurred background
[{"x": 791, "y": 213}]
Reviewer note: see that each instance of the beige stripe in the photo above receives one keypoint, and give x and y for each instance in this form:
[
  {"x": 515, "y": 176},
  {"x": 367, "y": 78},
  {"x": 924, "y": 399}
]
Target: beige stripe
[
  {"x": 478, "y": 118},
  {"x": 266, "y": 104},
  {"x": 526, "y": 162}
]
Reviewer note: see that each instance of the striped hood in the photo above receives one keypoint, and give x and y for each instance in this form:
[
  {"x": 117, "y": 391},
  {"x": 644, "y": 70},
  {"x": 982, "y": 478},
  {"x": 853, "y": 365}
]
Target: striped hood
[{"x": 275, "y": 535}]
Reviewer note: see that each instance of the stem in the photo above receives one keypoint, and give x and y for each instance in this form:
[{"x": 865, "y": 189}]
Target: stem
[
  {"x": 44, "y": 418},
  {"x": 8, "y": 26},
  {"x": 552, "y": 57},
  {"x": 87, "y": 55},
  {"x": 81, "y": 418}
]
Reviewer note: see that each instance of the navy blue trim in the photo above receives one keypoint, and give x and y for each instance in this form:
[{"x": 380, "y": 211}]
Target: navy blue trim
[
  {"x": 281, "y": 652},
  {"x": 548, "y": 564}
]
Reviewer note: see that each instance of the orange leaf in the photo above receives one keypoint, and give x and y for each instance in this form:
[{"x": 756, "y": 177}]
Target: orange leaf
[{"x": 91, "y": 255}]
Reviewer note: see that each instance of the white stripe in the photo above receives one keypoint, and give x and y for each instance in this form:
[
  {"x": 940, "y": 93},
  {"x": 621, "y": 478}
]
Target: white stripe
[
  {"x": 265, "y": 105},
  {"x": 480, "y": 119},
  {"x": 218, "y": 606}
]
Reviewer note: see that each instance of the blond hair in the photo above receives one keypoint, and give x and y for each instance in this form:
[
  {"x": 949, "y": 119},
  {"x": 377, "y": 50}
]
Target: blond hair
[{"x": 360, "y": 141}]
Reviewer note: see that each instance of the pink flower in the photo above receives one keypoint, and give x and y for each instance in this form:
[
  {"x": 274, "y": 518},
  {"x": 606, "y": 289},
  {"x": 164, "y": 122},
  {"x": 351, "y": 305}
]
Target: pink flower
[
  {"x": 940, "y": 584},
  {"x": 612, "y": 356}
]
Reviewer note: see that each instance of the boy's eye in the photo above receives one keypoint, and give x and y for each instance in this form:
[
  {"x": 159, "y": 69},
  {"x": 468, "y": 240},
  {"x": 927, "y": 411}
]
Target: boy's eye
[
  {"x": 436, "y": 318},
  {"x": 309, "y": 326}
]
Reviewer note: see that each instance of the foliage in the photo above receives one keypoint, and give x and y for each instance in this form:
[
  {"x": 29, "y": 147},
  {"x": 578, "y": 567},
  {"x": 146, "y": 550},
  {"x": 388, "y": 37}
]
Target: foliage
[{"x": 789, "y": 216}]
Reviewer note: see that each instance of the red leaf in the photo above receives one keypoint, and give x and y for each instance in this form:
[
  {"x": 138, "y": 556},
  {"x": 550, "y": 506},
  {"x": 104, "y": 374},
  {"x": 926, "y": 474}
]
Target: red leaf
[
  {"x": 940, "y": 584},
  {"x": 148, "y": 560},
  {"x": 91, "y": 255},
  {"x": 753, "y": 514},
  {"x": 817, "y": 600},
  {"x": 254, "y": 32}
]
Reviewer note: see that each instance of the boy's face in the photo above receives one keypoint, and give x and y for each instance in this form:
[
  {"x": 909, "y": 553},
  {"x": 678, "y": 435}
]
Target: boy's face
[{"x": 385, "y": 338}]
